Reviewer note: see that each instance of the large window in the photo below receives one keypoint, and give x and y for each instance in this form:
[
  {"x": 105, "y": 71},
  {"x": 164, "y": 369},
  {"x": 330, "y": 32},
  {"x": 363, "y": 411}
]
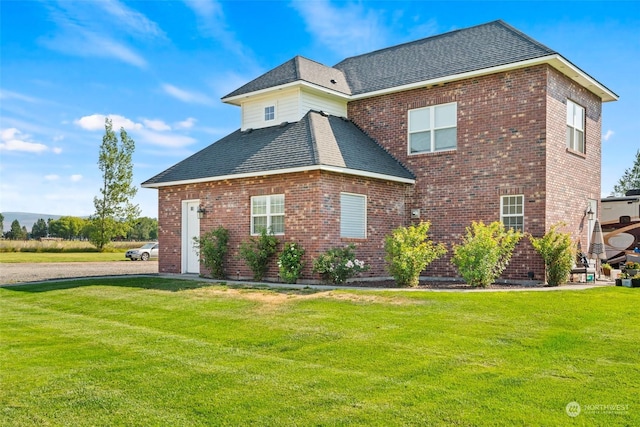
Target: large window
[
  {"x": 353, "y": 216},
  {"x": 433, "y": 128},
  {"x": 267, "y": 213},
  {"x": 512, "y": 212},
  {"x": 575, "y": 127}
]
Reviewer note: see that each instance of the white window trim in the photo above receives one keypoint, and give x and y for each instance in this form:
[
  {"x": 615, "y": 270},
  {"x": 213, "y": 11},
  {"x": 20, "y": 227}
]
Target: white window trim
[
  {"x": 268, "y": 213},
  {"x": 574, "y": 129},
  {"x": 265, "y": 113},
  {"x": 503, "y": 215},
  {"x": 432, "y": 129},
  {"x": 364, "y": 219}
]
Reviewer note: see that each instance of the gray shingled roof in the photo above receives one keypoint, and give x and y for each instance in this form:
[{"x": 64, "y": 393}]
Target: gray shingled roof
[
  {"x": 469, "y": 49},
  {"x": 315, "y": 140},
  {"x": 297, "y": 69}
]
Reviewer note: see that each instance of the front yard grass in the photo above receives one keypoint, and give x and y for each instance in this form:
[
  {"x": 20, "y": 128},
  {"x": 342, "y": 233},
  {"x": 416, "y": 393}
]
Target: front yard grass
[{"x": 157, "y": 351}]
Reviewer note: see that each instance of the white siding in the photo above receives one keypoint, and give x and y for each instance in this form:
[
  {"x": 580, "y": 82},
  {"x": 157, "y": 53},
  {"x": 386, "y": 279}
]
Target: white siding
[
  {"x": 286, "y": 110},
  {"x": 311, "y": 101},
  {"x": 290, "y": 106}
]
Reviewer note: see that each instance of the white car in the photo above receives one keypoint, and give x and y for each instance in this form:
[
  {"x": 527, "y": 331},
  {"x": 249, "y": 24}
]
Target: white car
[{"x": 150, "y": 250}]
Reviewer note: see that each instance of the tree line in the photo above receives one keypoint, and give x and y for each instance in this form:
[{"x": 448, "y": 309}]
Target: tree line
[{"x": 76, "y": 228}]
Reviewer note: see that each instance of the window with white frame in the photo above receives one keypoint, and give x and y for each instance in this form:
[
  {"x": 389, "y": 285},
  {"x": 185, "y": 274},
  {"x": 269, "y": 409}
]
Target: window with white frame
[
  {"x": 512, "y": 212},
  {"x": 267, "y": 213},
  {"x": 353, "y": 216},
  {"x": 433, "y": 128},
  {"x": 269, "y": 113},
  {"x": 575, "y": 127}
]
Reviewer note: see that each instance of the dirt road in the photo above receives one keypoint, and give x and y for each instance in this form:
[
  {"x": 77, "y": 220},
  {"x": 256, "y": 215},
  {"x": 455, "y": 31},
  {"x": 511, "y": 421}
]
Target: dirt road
[{"x": 19, "y": 273}]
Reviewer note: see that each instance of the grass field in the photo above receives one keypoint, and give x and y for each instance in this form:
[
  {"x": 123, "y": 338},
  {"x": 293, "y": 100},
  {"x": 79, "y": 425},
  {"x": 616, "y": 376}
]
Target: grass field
[{"x": 141, "y": 352}]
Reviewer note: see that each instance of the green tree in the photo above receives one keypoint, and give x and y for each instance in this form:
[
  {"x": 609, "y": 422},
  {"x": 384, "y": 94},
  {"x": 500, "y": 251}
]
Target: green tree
[
  {"x": 114, "y": 211},
  {"x": 67, "y": 227},
  {"x": 145, "y": 228},
  {"x": 1, "y": 224},
  {"x": 630, "y": 178},
  {"x": 39, "y": 229},
  {"x": 16, "y": 232}
]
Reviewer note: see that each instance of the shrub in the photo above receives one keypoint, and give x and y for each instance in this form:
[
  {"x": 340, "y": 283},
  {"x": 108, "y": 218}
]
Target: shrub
[
  {"x": 558, "y": 253},
  {"x": 257, "y": 252},
  {"x": 485, "y": 252},
  {"x": 409, "y": 251},
  {"x": 213, "y": 247},
  {"x": 339, "y": 264},
  {"x": 290, "y": 262}
]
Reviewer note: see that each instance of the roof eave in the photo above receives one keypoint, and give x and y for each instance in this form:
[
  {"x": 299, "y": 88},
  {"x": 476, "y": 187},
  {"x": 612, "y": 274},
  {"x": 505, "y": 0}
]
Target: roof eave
[
  {"x": 238, "y": 99},
  {"x": 555, "y": 60},
  {"x": 325, "y": 168}
]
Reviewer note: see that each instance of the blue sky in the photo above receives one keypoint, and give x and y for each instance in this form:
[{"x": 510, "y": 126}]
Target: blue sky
[{"x": 159, "y": 68}]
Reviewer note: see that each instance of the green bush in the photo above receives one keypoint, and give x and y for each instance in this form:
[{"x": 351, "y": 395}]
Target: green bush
[
  {"x": 558, "y": 253},
  {"x": 409, "y": 251},
  {"x": 257, "y": 252},
  {"x": 213, "y": 247},
  {"x": 339, "y": 264},
  {"x": 485, "y": 252},
  {"x": 290, "y": 262}
]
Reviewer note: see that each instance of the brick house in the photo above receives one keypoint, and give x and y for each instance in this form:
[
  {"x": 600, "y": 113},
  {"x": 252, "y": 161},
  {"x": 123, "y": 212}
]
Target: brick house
[{"x": 481, "y": 124}]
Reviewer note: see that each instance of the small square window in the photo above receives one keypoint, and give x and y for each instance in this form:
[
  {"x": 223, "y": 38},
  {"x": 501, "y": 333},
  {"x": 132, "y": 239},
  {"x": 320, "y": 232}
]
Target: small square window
[
  {"x": 512, "y": 212},
  {"x": 433, "y": 128},
  {"x": 269, "y": 113},
  {"x": 267, "y": 212}
]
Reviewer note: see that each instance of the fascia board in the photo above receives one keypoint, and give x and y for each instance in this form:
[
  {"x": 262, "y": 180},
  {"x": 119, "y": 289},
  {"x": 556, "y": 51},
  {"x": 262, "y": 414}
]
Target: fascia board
[
  {"x": 284, "y": 171},
  {"x": 238, "y": 99}
]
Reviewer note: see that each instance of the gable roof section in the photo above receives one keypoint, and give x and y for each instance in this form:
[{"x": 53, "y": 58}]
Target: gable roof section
[
  {"x": 295, "y": 70},
  {"x": 470, "y": 49},
  {"x": 316, "y": 142}
]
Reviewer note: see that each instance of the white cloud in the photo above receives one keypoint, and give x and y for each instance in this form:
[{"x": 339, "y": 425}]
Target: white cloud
[
  {"x": 164, "y": 139},
  {"x": 158, "y": 125},
  {"x": 76, "y": 178},
  {"x": 14, "y": 140},
  {"x": 52, "y": 177},
  {"x": 608, "y": 135},
  {"x": 348, "y": 30},
  {"x": 186, "y": 96},
  {"x": 132, "y": 21},
  {"x": 57, "y": 150},
  {"x": 186, "y": 124},
  {"x": 7, "y": 94},
  {"x": 96, "y": 122}
]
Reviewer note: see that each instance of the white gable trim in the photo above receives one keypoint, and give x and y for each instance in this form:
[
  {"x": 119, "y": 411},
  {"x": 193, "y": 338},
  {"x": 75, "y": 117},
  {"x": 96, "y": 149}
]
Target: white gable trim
[{"x": 284, "y": 171}]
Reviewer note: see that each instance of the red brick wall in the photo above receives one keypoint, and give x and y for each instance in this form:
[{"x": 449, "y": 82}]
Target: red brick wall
[
  {"x": 312, "y": 216},
  {"x": 502, "y": 149},
  {"x": 572, "y": 178}
]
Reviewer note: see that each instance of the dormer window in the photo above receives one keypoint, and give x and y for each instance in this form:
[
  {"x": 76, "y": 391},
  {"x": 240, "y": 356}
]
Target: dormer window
[{"x": 269, "y": 113}]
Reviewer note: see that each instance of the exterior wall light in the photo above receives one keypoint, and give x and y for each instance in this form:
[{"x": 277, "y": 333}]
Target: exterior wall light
[{"x": 201, "y": 212}]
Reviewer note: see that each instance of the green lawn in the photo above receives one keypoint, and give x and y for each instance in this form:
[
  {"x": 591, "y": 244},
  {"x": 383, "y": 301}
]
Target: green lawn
[
  {"x": 30, "y": 257},
  {"x": 140, "y": 352}
]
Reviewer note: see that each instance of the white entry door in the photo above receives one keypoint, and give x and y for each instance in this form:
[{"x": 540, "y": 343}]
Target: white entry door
[{"x": 190, "y": 229}]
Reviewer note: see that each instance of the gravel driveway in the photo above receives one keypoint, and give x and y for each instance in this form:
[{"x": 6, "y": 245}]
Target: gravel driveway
[{"x": 19, "y": 272}]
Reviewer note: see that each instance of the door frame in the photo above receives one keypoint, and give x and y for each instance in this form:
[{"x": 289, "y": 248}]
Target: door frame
[{"x": 185, "y": 235}]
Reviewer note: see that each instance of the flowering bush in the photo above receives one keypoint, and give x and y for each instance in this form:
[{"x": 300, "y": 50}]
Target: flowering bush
[
  {"x": 339, "y": 264},
  {"x": 290, "y": 262},
  {"x": 630, "y": 265},
  {"x": 257, "y": 252}
]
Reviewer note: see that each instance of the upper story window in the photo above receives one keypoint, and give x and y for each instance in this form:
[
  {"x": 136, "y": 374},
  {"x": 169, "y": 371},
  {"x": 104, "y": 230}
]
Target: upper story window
[
  {"x": 575, "y": 127},
  {"x": 512, "y": 212},
  {"x": 353, "y": 216},
  {"x": 433, "y": 128},
  {"x": 267, "y": 213},
  {"x": 269, "y": 113}
]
